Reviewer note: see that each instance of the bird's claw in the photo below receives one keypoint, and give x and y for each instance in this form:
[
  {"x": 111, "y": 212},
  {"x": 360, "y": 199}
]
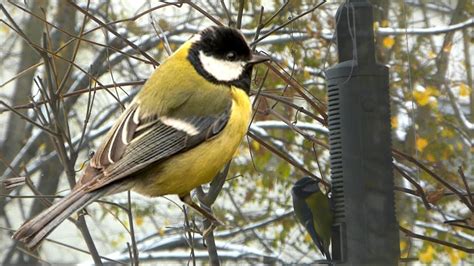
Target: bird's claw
[{"x": 210, "y": 229}]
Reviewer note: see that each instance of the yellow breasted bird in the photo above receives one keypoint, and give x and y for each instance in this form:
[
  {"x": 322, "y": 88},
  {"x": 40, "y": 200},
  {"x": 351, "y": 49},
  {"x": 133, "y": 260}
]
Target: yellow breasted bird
[
  {"x": 313, "y": 210},
  {"x": 179, "y": 131}
]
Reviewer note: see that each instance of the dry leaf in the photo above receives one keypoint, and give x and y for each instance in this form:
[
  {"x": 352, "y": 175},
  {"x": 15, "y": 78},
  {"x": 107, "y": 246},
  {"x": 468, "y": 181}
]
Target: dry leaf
[{"x": 434, "y": 196}]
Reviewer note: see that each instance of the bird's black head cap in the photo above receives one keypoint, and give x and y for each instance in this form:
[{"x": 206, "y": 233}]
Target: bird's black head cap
[
  {"x": 224, "y": 43},
  {"x": 222, "y": 56},
  {"x": 305, "y": 187}
]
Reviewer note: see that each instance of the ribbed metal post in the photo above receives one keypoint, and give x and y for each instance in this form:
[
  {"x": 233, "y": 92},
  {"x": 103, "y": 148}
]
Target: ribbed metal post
[{"x": 365, "y": 229}]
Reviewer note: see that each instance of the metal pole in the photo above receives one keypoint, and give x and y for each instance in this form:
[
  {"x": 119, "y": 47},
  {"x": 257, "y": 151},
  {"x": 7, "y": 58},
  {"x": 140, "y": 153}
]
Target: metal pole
[{"x": 365, "y": 230}]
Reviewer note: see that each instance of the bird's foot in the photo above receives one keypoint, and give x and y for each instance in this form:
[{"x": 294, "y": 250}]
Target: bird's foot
[
  {"x": 187, "y": 199},
  {"x": 207, "y": 231}
]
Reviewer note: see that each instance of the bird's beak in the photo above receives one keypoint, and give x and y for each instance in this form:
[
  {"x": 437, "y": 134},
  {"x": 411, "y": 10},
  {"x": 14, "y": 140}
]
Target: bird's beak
[{"x": 258, "y": 58}]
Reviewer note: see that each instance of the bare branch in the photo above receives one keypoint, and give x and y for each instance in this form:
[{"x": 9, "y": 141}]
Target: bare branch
[
  {"x": 435, "y": 240},
  {"x": 427, "y": 31}
]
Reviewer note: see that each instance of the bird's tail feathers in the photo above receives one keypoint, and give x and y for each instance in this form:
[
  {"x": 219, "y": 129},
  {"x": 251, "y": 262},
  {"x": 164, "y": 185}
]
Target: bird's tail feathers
[
  {"x": 319, "y": 242},
  {"x": 38, "y": 228},
  {"x": 326, "y": 253}
]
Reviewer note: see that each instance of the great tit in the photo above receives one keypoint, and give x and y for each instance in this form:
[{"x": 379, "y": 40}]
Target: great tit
[
  {"x": 179, "y": 131},
  {"x": 313, "y": 210}
]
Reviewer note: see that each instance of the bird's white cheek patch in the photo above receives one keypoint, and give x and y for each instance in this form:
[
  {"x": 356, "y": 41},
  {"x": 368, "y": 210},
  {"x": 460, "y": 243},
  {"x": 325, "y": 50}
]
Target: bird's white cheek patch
[{"x": 221, "y": 70}]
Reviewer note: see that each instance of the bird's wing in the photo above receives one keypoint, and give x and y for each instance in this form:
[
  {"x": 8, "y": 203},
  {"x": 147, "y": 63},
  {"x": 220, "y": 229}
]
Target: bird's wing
[
  {"x": 137, "y": 141},
  {"x": 321, "y": 220},
  {"x": 307, "y": 219},
  {"x": 316, "y": 238}
]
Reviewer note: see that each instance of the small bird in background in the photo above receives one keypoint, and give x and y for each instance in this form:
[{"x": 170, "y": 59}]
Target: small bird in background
[
  {"x": 178, "y": 132},
  {"x": 313, "y": 210}
]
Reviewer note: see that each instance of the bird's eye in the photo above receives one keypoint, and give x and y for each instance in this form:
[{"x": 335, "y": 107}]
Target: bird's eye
[{"x": 230, "y": 56}]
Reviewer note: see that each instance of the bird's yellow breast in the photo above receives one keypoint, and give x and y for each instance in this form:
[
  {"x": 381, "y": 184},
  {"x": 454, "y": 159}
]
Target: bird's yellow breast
[{"x": 183, "y": 172}]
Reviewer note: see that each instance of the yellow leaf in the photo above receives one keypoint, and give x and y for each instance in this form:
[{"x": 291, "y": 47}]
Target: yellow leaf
[
  {"x": 317, "y": 53},
  {"x": 306, "y": 75},
  {"x": 451, "y": 148},
  {"x": 464, "y": 90},
  {"x": 439, "y": 117},
  {"x": 427, "y": 255},
  {"x": 430, "y": 157},
  {"x": 459, "y": 146},
  {"x": 433, "y": 103},
  {"x": 160, "y": 46},
  {"x": 431, "y": 55},
  {"x": 432, "y": 91},
  {"x": 454, "y": 258},
  {"x": 447, "y": 152},
  {"x": 4, "y": 29},
  {"x": 394, "y": 122},
  {"x": 384, "y": 23},
  {"x": 447, "y": 47},
  {"x": 462, "y": 254},
  {"x": 255, "y": 145},
  {"x": 139, "y": 220},
  {"x": 388, "y": 42},
  {"x": 403, "y": 245},
  {"x": 448, "y": 250},
  {"x": 447, "y": 132},
  {"x": 376, "y": 25},
  {"x": 421, "y": 144},
  {"x": 307, "y": 238},
  {"x": 422, "y": 98},
  {"x": 42, "y": 147},
  {"x": 114, "y": 243}
]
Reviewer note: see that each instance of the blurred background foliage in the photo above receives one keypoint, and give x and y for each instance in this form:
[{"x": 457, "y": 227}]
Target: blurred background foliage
[{"x": 432, "y": 121}]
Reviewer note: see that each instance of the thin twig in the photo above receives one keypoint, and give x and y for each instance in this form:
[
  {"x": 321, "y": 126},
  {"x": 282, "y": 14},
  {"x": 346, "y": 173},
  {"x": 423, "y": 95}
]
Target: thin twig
[
  {"x": 190, "y": 238},
  {"x": 202, "y": 11},
  {"x": 285, "y": 157},
  {"x": 52, "y": 133},
  {"x": 465, "y": 226},
  {"x": 63, "y": 83},
  {"x": 227, "y": 12},
  {"x": 288, "y": 102},
  {"x": 82, "y": 225},
  {"x": 76, "y": 93},
  {"x": 299, "y": 89},
  {"x": 132, "y": 230},
  {"x": 435, "y": 240},
  {"x": 98, "y": 21},
  {"x": 295, "y": 128},
  {"x": 73, "y": 37},
  {"x": 206, "y": 201},
  {"x": 240, "y": 13},
  {"x": 22, "y": 73},
  {"x": 259, "y": 27},
  {"x": 245, "y": 218},
  {"x": 286, "y": 23},
  {"x": 434, "y": 175},
  {"x": 282, "y": 7},
  {"x": 466, "y": 184},
  {"x": 419, "y": 189},
  {"x": 82, "y": 250}
]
